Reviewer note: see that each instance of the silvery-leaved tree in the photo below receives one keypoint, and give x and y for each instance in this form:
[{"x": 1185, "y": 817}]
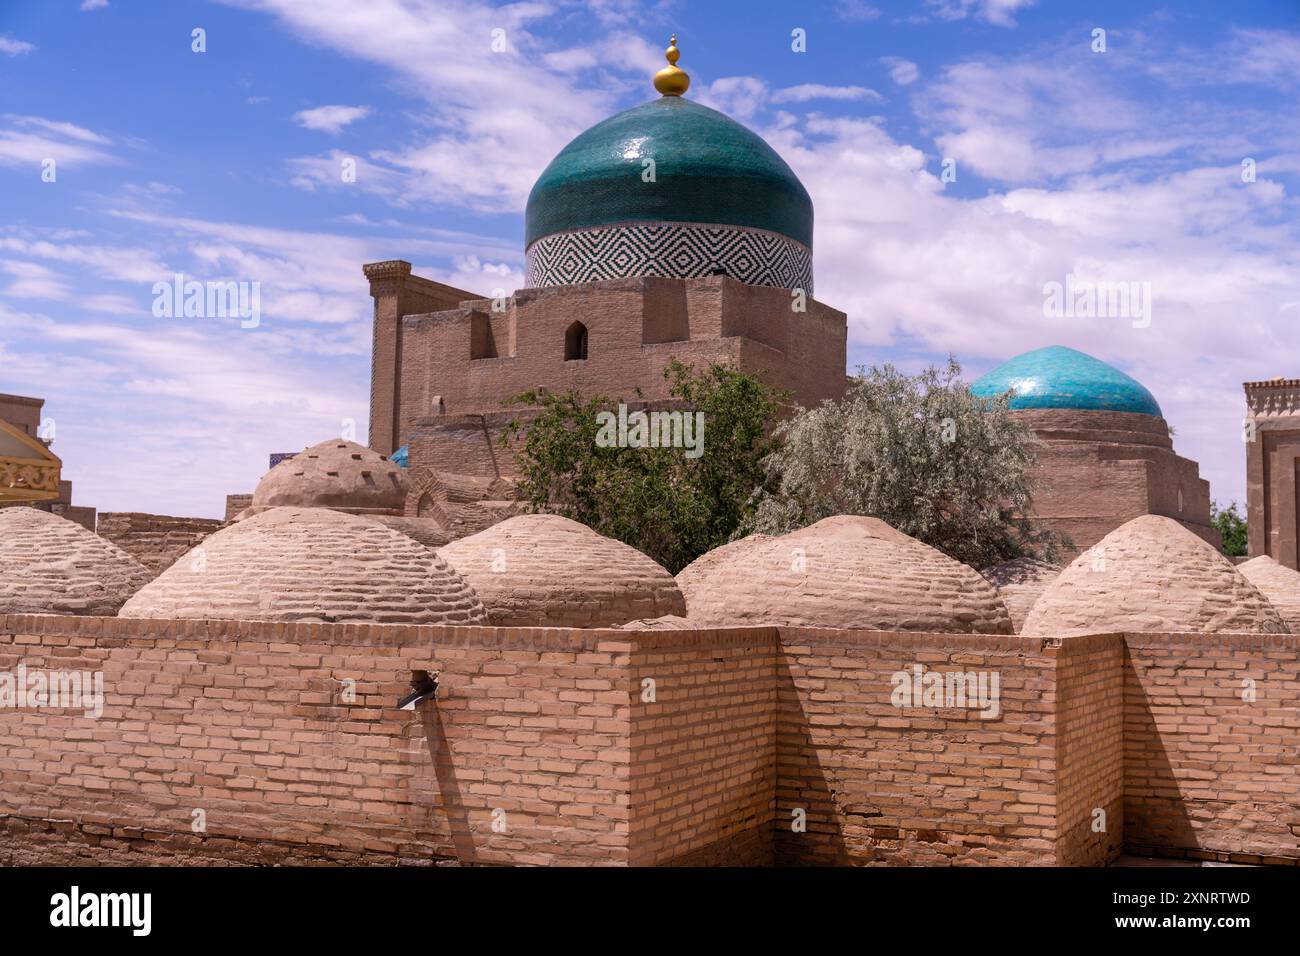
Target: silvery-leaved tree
[{"x": 921, "y": 452}]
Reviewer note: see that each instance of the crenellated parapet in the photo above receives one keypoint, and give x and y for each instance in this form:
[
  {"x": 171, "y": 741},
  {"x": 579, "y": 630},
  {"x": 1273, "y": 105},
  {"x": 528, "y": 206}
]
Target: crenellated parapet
[{"x": 1278, "y": 397}]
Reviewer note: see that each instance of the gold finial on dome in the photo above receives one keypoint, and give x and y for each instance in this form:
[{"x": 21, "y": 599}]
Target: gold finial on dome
[{"x": 671, "y": 81}]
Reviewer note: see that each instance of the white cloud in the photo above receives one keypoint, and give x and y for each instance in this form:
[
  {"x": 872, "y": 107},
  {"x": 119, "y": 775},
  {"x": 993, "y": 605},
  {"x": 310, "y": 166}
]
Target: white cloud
[
  {"x": 856, "y": 10},
  {"x": 32, "y": 281},
  {"x": 740, "y": 97},
  {"x": 12, "y": 47},
  {"x": 330, "y": 119},
  {"x": 93, "y": 4},
  {"x": 998, "y": 12},
  {"x": 1032, "y": 120},
  {"x": 494, "y": 119},
  {"x": 925, "y": 272},
  {"x": 901, "y": 71},
  {"x": 219, "y": 398},
  {"x": 30, "y": 140},
  {"x": 816, "y": 91}
]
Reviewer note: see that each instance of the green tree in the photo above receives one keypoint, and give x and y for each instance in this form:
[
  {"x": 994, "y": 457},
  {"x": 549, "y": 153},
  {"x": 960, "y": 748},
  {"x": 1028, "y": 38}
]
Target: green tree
[
  {"x": 666, "y": 502},
  {"x": 1232, "y": 526},
  {"x": 922, "y": 453}
]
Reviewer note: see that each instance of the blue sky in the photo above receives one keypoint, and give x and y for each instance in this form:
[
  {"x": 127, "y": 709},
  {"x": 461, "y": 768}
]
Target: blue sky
[{"x": 1120, "y": 166}]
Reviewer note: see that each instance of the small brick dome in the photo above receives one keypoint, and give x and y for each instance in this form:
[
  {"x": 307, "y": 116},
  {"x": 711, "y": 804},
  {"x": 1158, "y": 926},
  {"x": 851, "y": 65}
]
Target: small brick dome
[
  {"x": 1020, "y": 583},
  {"x": 334, "y": 474},
  {"x": 310, "y": 564},
  {"x": 50, "y": 565},
  {"x": 695, "y": 572},
  {"x": 1151, "y": 574},
  {"x": 549, "y": 571},
  {"x": 850, "y": 572},
  {"x": 1279, "y": 584}
]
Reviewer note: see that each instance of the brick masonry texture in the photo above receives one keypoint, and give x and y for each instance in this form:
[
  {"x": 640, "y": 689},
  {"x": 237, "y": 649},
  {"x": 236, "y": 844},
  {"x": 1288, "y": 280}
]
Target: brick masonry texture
[
  {"x": 1096, "y": 470},
  {"x": 551, "y": 571},
  {"x": 702, "y": 751},
  {"x": 549, "y": 734},
  {"x": 336, "y": 474},
  {"x": 894, "y": 786},
  {"x": 1151, "y": 574},
  {"x": 472, "y": 355},
  {"x": 310, "y": 564},
  {"x": 845, "y": 571},
  {"x": 52, "y": 565},
  {"x": 1209, "y": 774},
  {"x": 1278, "y": 583},
  {"x": 156, "y": 541},
  {"x": 1020, "y": 583}
]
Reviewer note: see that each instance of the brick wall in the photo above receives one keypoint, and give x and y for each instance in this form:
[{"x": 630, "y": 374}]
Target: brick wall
[
  {"x": 237, "y": 503},
  {"x": 703, "y": 751},
  {"x": 888, "y": 785},
  {"x": 1089, "y": 749},
  {"x": 156, "y": 541},
  {"x": 1209, "y": 774},
  {"x": 1101, "y": 469},
  {"x": 635, "y": 327},
  {"x": 540, "y": 748},
  {"x": 245, "y": 721}
]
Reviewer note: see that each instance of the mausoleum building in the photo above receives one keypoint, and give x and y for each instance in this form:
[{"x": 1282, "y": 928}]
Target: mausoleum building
[{"x": 1107, "y": 453}]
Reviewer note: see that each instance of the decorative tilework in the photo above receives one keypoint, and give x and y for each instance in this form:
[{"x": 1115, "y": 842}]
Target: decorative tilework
[
  {"x": 1060, "y": 377},
  {"x": 673, "y": 249}
]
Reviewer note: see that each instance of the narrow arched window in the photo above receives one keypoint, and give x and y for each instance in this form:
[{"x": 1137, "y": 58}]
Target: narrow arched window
[{"x": 575, "y": 342}]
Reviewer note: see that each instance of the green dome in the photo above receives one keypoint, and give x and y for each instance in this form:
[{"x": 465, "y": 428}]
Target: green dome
[{"x": 708, "y": 169}]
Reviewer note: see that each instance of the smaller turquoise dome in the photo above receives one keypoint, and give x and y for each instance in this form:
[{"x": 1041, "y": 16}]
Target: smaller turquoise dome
[{"x": 1060, "y": 377}]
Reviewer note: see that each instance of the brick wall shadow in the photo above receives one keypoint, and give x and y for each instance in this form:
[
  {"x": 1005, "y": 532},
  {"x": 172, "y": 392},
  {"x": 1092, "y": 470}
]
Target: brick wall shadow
[
  {"x": 804, "y": 783},
  {"x": 1155, "y": 814},
  {"x": 449, "y": 799}
]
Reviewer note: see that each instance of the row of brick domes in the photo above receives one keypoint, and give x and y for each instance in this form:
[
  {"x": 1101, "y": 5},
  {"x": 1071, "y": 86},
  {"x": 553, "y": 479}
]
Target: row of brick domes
[{"x": 317, "y": 564}]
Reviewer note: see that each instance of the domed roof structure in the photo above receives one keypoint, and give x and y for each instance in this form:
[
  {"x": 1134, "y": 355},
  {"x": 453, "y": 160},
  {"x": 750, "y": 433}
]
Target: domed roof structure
[
  {"x": 669, "y": 188},
  {"x": 310, "y": 564},
  {"x": 50, "y": 565},
  {"x": 427, "y": 531},
  {"x": 1020, "y": 582},
  {"x": 690, "y": 576},
  {"x": 1279, "y": 584},
  {"x": 1060, "y": 377},
  {"x": 549, "y": 571},
  {"x": 1151, "y": 574},
  {"x": 850, "y": 572},
  {"x": 336, "y": 474}
]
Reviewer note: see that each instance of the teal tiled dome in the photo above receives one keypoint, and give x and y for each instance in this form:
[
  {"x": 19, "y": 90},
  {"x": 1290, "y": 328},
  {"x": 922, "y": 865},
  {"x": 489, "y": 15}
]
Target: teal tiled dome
[
  {"x": 708, "y": 169},
  {"x": 1060, "y": 377}
]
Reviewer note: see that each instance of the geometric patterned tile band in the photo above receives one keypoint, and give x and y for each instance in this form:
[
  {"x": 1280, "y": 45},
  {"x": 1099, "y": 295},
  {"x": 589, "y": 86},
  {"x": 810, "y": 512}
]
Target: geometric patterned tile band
[{"x": 675, "y": 249}]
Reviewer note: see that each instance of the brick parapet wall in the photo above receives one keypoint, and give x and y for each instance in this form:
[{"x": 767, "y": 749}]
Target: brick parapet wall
[
  {"x": 886, "y": 785},
  {"x": 545, "y": 732},
  {"x": 1208, "y": 773},
  {"x": 156, "y": 541},
  {"x": 1089, "y": 750},
  {"x": 245, "y": 721},
  {"x": 703, "y": 746}
]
